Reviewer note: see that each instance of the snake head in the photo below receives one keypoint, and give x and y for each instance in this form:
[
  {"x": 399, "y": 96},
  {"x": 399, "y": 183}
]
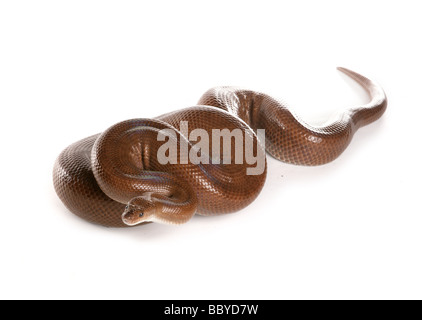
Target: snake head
[{"x": 138, "y": 210}]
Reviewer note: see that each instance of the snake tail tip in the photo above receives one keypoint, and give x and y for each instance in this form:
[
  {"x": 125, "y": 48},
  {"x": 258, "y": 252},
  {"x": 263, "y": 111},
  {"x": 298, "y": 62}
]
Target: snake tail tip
[
  {"x": 354, "y": 75},
  {"x": 344, "y": 70}
]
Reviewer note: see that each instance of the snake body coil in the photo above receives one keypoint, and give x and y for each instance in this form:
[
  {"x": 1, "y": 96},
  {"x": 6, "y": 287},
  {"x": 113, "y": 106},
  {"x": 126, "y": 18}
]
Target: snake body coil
[{"x": 115, "y": 179}]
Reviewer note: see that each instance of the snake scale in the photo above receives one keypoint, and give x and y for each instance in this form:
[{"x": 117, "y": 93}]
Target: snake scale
[{"x": 114, "y": 178}]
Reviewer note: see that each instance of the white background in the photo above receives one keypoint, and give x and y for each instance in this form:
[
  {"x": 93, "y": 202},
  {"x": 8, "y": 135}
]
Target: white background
[{"x": 349, "y": 229}]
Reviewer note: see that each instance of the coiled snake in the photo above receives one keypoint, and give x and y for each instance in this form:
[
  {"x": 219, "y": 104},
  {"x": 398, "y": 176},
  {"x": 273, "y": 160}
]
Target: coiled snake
[{"x": 115, "y": 179}]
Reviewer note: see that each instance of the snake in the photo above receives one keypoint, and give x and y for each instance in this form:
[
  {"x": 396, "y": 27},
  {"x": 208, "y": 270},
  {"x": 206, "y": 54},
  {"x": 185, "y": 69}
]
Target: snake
[{"x": 115, "y": 178}]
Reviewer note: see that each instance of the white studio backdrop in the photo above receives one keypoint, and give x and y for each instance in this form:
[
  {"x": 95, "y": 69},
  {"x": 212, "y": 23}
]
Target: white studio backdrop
[{"x": 348, "y": 229}]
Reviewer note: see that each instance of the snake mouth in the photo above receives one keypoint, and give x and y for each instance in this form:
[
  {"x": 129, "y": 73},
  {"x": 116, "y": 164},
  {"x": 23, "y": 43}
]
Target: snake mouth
[{"x": 130, "y": 223}]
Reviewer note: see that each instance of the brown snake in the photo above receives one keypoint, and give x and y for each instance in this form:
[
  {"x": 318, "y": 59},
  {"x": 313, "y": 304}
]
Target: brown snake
[{"x": 114, "y": 178}]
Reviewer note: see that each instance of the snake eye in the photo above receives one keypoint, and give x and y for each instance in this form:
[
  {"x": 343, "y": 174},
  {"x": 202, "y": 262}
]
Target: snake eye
[{"x": 141, "y": 214}]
